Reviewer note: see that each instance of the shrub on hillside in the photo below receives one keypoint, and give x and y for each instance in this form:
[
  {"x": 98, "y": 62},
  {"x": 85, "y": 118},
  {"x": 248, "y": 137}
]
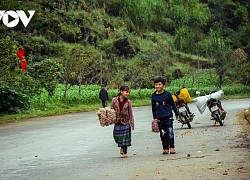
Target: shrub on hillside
[{"x": 11, "y": 100}]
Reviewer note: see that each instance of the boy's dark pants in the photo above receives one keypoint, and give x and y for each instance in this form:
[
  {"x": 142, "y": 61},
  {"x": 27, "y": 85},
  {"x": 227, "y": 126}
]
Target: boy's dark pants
[
  {"x": 104, "y": 103},
  {"x": 166, "y": 132}
]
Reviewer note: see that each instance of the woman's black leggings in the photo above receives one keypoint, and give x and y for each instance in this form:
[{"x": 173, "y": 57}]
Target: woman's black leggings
[{"x": 125, "y": 149}]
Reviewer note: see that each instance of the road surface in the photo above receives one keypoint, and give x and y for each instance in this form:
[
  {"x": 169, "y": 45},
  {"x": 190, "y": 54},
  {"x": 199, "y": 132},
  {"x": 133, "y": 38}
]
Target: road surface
[{"x": 75, "y": 146}]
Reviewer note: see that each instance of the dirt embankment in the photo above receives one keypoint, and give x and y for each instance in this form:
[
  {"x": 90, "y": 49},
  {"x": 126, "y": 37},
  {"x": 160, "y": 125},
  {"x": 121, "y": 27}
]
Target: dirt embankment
[
  {"x": 244, "y": 119},
  {"x": 247, "y": 115}
]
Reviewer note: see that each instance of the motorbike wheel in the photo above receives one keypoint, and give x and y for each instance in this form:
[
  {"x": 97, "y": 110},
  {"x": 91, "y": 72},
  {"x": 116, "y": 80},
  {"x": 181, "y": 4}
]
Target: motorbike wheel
[
  {"x": 187, "y": 122},
  {"x": 219, "y": 119}
]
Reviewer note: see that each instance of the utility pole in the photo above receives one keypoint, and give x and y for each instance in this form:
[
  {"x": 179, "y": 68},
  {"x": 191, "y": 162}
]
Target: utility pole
[
  {"x": 198, "y": 72},
  {"x": 101, "y": 70}
]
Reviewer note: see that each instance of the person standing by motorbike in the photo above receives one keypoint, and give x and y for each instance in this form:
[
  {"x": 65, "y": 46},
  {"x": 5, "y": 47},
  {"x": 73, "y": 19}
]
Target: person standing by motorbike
[
  {"x": 181, "y": 100},
  {"x": 162, "y": 105}
]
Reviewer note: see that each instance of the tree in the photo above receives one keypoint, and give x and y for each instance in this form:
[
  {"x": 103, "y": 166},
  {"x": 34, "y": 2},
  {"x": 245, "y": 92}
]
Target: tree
[
  {"x": 240, "y": 67},
  {"x": 219, "y": 51},
  {"x": 47, "y": 73},
  {"x": 81, "y": 66},
  {"x": 189, "y": 17},
  {"x": 9, "y": 4},
  {"x": 15, "y": 86}
]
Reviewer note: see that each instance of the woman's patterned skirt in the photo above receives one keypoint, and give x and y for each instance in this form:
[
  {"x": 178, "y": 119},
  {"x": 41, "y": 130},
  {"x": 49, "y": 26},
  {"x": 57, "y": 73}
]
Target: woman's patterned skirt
[{"x": 122, "y": 135}]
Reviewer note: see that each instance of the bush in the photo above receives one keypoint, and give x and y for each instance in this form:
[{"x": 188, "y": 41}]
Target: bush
[
  {"x": 11, "y": 101},
  {"x": 47, "y": 73}
]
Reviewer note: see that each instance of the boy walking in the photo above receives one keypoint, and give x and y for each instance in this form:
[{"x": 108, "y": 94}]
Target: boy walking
[{"x": 162, "y": 106}]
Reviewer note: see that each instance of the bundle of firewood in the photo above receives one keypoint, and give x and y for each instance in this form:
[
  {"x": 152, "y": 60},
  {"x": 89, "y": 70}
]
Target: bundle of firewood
[{"x": 107, "y": 116}]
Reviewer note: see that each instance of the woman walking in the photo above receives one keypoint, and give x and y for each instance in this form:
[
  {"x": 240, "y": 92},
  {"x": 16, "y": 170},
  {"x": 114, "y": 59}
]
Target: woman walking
[{"x": 124, "y": 120}]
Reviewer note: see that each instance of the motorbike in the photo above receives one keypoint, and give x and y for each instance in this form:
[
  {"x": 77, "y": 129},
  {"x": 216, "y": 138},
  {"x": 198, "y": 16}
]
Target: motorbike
[
  {"x": 217, "y": 114},
  {"x": 185, "y": 116},
  {"x": 214, "y": 105}
]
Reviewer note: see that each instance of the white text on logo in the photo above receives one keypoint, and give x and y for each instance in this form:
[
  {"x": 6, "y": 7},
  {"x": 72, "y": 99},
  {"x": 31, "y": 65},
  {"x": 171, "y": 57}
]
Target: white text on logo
[{"x": 16, "y": 15}]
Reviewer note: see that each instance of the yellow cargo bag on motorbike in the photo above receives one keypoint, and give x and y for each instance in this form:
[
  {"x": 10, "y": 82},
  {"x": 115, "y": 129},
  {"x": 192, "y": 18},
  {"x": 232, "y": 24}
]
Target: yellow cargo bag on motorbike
[{"x": 182, "y": 95}]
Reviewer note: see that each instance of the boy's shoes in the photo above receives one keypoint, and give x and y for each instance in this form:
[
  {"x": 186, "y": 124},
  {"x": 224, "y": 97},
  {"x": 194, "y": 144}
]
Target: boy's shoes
[
  {"x": 121, "y": 151},
  {"x": 124, "y": 155},
  {"x": 165, "y": 151},
  {"x": 172, "y": 151}
]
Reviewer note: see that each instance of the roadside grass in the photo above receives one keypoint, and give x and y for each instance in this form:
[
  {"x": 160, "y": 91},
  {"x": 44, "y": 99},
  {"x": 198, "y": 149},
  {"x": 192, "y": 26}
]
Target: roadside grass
[
  {"x": 87, "y": 100},
  {"x": 31, "y": 113},
  {"x": 66, "y": 109},
  {"x": 63, "y": 109},
  {"x": 237, "y": 96}
]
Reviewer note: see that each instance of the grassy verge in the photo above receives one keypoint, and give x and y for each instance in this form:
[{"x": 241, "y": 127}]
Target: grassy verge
[
  {"x": 7, "y": 118},
  {"x": 236, "y": 96}
]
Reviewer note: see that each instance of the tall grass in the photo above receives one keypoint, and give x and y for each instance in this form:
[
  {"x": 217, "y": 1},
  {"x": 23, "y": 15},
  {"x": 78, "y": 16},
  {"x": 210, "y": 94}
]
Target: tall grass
[
  {"x": 142, "y": 12},
  {"x": 90, "y": 95},
  {"x": 204, "y": 78}
]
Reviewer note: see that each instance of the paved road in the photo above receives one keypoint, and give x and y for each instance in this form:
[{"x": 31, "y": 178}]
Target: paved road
[{"x": 74, "y": 146}]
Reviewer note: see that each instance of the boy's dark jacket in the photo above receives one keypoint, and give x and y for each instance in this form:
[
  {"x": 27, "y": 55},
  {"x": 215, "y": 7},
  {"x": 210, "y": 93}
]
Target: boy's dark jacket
[
  {"x": 103, "y": 95},
  {"x": 162, "y": 105}
]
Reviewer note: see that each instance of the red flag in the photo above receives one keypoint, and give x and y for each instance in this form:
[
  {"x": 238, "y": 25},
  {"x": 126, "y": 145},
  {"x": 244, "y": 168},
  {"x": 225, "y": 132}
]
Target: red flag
[{"x": 21, "y": 56}]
